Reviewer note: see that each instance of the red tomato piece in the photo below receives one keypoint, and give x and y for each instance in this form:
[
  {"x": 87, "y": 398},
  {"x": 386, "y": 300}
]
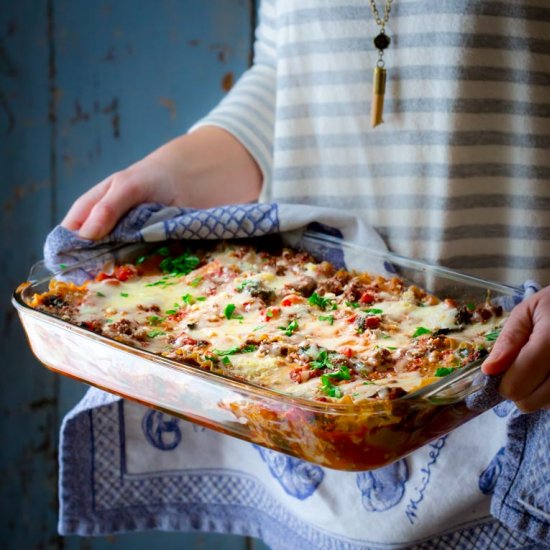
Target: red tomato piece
[
  {"x": 366, "y": 298},
  {"x": 125, "y": 272}
]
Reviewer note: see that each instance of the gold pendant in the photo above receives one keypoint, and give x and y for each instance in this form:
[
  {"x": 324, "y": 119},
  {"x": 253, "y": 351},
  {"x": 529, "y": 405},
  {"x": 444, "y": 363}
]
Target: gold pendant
[{"x": 378, "y": 90}]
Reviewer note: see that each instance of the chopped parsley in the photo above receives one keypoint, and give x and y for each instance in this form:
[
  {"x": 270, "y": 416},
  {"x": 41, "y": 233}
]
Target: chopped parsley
[
  {"x": 100, "y": 294},
  {"x": 328, "y": 318},
  {"x": 352, "y": 304},
  {"x": 226, "y": 361},
  {"x": 154, "y": 320},
  {"x": 188, "y": 299},
  {"x": 196, "y": 281},
  {"x": 373, "y": 311},
  {"x": 229, "y": 312},
  {"x": 155, "y": 333},
  {"x": 321, "y": 302},
  {"x": 328, "y": 388},
  {"x": 290, "y": 328},
  {"x": 240, "y": 287},
  {"x": 181, "y": 265},
  {"x": 443, "y": 371},
  {"x": 171, "y": 311},
  {"x": 420, "y": 331},
  {"x": 124, "y": 294},
  {"x": 62, "y": 266},
  {"x": 322, "y": 361},
  {"x": 492, "y": 336},
  {"x": 200, "y": 298},
  {"x": 230, "y": 351},
  {"x": 249, "y": 348},
  {"x": 341, "y": 374},
  {"x": 211, "y": 358}
]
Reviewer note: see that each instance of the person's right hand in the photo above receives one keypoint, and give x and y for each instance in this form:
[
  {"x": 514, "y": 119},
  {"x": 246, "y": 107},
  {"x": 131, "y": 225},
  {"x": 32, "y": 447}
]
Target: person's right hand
[
  {"x": 97, "y": 211},
  {"x": 206, "y": 168}
]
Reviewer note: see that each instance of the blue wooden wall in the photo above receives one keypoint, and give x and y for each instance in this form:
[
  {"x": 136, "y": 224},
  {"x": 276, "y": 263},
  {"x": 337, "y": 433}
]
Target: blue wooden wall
[{"x": 86, "y": 88}]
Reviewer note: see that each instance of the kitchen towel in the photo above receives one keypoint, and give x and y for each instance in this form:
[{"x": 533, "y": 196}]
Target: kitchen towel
[{"x": 124, "y": 467}]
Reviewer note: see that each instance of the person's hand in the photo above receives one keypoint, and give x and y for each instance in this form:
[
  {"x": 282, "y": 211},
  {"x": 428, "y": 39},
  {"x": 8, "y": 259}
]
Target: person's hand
[
  {"x": 97, "y": 211},
  {"x": 522, "y": 353},
  {"x": 203, "y": 169}
]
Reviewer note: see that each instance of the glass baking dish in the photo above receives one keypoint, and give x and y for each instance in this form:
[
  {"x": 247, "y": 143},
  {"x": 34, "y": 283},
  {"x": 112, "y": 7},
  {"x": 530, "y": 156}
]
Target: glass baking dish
[{"x": 350, "y": 437}]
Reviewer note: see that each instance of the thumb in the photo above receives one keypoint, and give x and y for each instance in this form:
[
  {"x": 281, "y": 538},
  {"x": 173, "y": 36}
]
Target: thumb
[{"x": 515, "y": 334}]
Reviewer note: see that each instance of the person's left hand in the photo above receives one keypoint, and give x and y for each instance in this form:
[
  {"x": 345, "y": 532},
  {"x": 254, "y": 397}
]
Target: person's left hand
[{"x": 522, "y": 353}]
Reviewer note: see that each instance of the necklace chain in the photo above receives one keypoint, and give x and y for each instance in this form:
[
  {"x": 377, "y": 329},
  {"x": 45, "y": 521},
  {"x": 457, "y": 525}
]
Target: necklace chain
[
  {"x": 381, "y": 42},
  {"x": 381, "y": 21}
]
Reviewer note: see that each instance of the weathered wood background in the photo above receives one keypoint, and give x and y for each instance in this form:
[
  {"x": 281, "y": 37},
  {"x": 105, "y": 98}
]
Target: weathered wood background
[{"x": 86, "y": 88}]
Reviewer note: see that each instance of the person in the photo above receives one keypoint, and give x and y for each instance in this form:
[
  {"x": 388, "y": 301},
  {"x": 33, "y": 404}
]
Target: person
[{"x": 457, "y": 173}]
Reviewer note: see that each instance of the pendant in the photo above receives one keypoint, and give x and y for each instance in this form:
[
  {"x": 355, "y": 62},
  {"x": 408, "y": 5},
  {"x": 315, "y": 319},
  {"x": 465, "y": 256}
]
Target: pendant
[{"x": 378, "y": 90}]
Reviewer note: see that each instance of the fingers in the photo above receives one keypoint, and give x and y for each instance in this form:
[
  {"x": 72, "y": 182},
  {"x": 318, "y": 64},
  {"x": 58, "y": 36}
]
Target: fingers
[
  {"x": 80, "y": 210},
  {"x": 515, "y": 334},
  {"x": 539, "y": 399},
  {"x": 122, "y": 194}
]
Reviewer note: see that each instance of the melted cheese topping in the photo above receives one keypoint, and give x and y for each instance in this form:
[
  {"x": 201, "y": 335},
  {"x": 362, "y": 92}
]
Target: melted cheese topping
[{"x": 271, "y": 322}]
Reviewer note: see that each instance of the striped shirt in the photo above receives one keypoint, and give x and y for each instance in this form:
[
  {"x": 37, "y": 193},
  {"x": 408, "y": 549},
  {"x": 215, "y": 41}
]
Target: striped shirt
[{"x": 459, "y": 173}]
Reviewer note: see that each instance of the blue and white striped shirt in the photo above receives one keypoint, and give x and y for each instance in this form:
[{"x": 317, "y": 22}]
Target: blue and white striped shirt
[{"x": 459, "y": 173}]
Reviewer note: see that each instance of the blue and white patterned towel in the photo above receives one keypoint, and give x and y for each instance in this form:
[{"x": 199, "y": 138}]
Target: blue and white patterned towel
[{"x": 126, "y": 468}]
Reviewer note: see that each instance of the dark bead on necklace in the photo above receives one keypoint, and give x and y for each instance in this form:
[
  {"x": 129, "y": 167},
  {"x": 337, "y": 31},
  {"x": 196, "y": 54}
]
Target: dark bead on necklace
[{"x": 382, "y": 41}]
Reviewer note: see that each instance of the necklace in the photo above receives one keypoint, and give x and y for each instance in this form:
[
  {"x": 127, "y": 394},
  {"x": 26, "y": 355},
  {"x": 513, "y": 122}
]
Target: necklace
[{"x": 381, "y": 42}]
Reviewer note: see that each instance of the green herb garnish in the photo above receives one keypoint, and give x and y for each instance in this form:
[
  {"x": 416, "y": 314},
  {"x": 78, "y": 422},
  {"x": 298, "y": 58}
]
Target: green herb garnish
[
  {"x": 154, "y": 320},
  {"x": 352, "y": 304},
  {"x": 230, "y": 351},
  {"x": 124, "y": 294},
  {"x": 443, "y": 371},
  {"x": 226, "y": 361},
  {"x": 182, "y": 265},
  {"x": 188, "y": 299},
  {"x": 196, "y": 281},
  {"x": 328, "y": 318},
  {"x": 420, "y": 331},
  {"x": 328, "y": 388},
  {"x": 373, "y": 311},
  {"x": 492, "y": 336},
  {"x": 171, "y": 311},
  {"x": 163, "y": 251},
  {"x": 62, "y": 266},
  {"x": 322, "y": 361},
  {"x": 155, "y": 333},
  {"x": 229, "y": 312},
  {"x": 100, "y": 294},
  {"x": 249, "y": 348},
  {"x": 290, "y": 328},
  {"x": 341, "y": 374},
  {"x": 321, "y": 302},
  {"x": 200, "y": 298}
]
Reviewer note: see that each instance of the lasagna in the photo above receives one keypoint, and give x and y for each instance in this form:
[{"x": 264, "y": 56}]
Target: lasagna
[{"x": 281, "y": 320}]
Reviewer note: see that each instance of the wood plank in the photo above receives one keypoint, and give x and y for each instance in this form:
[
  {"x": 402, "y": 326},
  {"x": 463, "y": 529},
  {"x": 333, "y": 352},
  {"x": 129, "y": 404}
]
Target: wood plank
[
  {"x": 28, "y": 393},
  {"x": 131, "y": 76}
]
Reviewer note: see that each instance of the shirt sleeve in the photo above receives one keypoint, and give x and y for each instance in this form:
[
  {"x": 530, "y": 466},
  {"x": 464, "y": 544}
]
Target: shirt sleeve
[{"x": 248, "y": 111}]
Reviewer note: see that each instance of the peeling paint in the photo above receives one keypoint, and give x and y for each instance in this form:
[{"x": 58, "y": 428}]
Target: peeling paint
[
  {"x": 227, "y": 81},
  {"x": 112, "y": 109},
  {"x": 170, "y": 105},
  {"x": 43, "y": 402},
  {"x": 6, "y": 108},
  {"x": 80, "y": 115},
  {"x": 223, "y": 51},
  {"x": 20, "y": 192}
]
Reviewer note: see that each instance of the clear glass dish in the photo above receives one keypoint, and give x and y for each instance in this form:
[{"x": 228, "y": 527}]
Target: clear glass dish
[{"x": 350, "y": 437}]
